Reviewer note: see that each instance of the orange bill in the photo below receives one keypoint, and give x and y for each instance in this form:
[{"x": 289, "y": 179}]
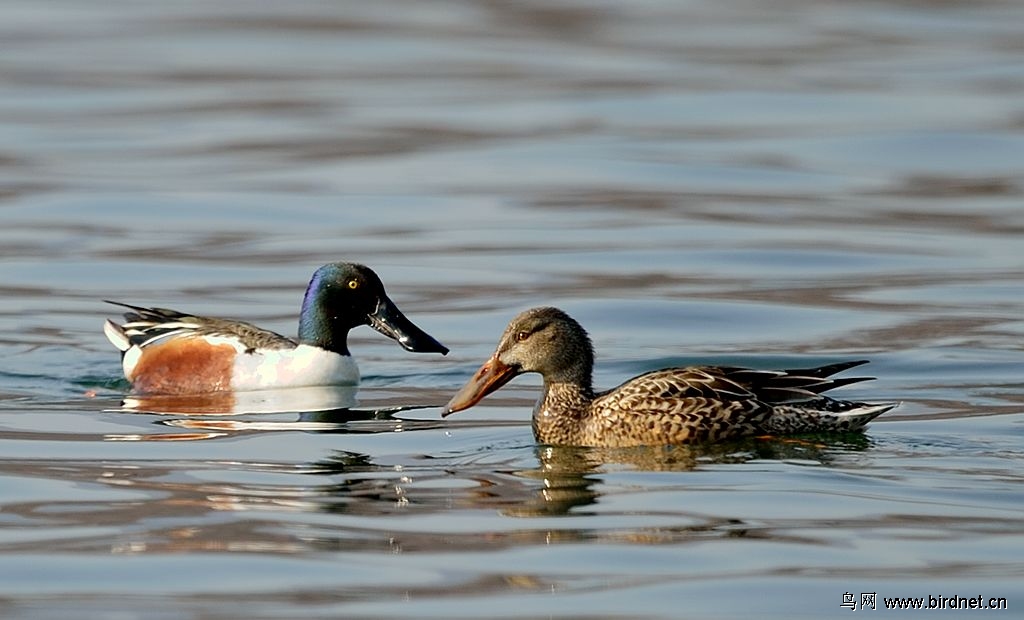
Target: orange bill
[{"x": 491, "y": 376}]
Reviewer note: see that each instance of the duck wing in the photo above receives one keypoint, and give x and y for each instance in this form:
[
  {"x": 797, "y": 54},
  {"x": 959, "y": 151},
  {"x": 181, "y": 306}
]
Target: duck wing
[
  {"x": 676, "y": 405},
  {"x": 707, "y": 403},
  {"x": 717, "y": 389},
  {"x": 145, "y": 326},
  {"x": 787, "y": 386}
]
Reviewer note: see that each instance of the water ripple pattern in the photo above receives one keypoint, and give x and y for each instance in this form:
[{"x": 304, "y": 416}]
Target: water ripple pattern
[{"x": 770, "y": 184}]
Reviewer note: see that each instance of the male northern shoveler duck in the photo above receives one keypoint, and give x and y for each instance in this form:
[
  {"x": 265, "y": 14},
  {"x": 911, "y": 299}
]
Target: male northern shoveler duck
[
  {"x": 669, "y": 406},
  {"x": 168, "y": 352}
]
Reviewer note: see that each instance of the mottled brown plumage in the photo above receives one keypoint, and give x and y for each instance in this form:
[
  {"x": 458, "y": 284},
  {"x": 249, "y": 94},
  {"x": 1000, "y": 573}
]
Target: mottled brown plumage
[{"x": 669, "y": 406}]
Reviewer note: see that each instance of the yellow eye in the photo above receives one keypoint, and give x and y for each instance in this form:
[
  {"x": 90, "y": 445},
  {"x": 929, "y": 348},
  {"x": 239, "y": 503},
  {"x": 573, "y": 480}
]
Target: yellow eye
[
  {"x": 521, "y": 336},
  {"x": 353, "y": 284}
]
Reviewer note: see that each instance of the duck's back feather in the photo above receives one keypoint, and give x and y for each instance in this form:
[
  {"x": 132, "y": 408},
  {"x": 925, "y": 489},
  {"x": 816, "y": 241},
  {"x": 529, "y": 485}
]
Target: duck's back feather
[
  {"x": 726, "y": 383},
  {"x": 145, "y": 326},
  {"x": 711, "y": 403}
]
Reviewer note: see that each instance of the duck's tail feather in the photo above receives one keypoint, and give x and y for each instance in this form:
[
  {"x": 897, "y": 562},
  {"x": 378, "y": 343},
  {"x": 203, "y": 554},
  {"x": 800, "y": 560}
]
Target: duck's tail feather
[
  {"x": 824, "y": 415},
  {"x": 116, "y": 335},
  {"x": 148, "y": 315},
  {"x": 825, "y": 371},
  {"x": 803, "y": 385}
]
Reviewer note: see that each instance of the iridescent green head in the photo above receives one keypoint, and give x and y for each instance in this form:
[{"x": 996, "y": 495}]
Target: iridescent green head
[{"x": 341, "y": 296}]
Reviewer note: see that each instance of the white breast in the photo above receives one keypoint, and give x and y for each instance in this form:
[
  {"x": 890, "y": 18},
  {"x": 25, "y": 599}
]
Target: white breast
[{"x": 299, "y": 367}]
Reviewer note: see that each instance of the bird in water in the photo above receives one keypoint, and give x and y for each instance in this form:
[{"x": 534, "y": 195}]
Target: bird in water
[
  {"x": 668, "y": 406},
  {"x": 170, "y": 352}
]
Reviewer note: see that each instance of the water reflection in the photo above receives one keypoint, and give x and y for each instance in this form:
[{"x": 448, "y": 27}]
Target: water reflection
[
  {"x": 315, "y": 398},
  {"x": 330, "y": 421},
  {"x": 309, "y": 409},
  {"x": 156, "y": 508},
  {"x": 570, "y": 477},
  {"x": 805, "y": 179}
]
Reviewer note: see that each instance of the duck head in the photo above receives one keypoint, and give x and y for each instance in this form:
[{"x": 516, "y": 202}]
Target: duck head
[
  {"x": 341, "y": 296},
  {"x": 542, "y": 340}
]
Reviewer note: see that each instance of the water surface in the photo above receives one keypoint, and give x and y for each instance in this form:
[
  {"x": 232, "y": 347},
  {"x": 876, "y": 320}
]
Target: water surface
[{"x": 768, "y": 184}]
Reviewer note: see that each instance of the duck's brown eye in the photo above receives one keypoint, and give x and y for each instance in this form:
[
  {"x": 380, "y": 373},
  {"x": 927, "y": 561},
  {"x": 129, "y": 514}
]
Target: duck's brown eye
[
  {"x": 353, "y": 284},
  {"x": 521, "y": 336}
]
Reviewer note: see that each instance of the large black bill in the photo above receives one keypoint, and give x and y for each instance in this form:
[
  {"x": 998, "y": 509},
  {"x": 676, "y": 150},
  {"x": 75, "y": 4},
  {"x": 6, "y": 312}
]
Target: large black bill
[{"x": 389, "y": 320}]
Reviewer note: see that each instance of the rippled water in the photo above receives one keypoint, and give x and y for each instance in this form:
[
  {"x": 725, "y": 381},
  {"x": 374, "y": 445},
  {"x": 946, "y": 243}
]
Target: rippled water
[{"x": 784, "y": 183}]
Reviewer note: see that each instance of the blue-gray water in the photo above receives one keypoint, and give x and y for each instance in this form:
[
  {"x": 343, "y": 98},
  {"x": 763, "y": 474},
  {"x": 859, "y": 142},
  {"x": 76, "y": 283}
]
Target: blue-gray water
[{"x": 762, "y": 183}]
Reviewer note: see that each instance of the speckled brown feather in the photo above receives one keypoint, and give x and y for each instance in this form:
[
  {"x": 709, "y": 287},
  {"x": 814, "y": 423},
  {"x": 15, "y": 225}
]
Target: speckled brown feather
[
  {"x": 669, "y": 406},
  {"x": 691, "y": 405}
]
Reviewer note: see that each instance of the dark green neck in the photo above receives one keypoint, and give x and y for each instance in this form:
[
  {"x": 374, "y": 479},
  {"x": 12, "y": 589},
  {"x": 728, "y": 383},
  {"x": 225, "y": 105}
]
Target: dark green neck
[{"x": 317, "y": 326}]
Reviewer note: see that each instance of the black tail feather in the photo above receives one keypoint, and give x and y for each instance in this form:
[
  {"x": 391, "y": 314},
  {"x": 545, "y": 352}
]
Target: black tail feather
[
  {"x": 826, "y": 371},
  {"x": 780, "y": 386},
  {"x": 147, "y": 314}
]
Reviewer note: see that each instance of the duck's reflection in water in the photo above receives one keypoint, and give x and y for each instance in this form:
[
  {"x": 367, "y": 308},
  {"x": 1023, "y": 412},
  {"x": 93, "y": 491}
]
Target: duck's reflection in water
[
  {"x": 568, "y": 478},
  {"x": 208, "y": 416},
  {"x": 360, "y": 502},
  {"x": 316, "y": 398}
]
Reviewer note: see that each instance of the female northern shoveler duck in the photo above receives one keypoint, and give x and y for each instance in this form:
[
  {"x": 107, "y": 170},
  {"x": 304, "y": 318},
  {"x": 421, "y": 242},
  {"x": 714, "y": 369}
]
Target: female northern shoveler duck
[
  {"x": 670, "y": 406},
  {"x": 168, "y": 352}
]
